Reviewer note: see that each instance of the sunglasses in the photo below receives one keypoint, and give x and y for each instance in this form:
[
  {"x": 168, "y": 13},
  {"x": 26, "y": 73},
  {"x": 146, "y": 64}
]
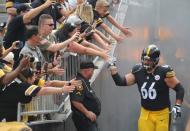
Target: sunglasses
[{"x": 50, "y": 24}]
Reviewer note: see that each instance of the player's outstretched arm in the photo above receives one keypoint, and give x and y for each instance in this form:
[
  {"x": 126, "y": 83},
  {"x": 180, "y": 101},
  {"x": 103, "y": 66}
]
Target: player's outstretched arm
[{"x": 127, "y": 80}]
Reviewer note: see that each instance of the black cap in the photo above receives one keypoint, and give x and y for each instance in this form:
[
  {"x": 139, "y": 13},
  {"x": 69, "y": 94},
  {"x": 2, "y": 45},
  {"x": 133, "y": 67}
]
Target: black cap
[
  {"x": 24, "y": 7},
  {"x": 86, "y": 65}
]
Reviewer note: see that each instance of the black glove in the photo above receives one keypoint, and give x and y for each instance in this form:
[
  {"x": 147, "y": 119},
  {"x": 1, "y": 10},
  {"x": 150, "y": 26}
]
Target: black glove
[{"x": 176, "y": 111}]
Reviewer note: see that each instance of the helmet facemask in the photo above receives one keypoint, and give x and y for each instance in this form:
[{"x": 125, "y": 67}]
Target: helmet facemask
[{"x": 149, "y": 64}]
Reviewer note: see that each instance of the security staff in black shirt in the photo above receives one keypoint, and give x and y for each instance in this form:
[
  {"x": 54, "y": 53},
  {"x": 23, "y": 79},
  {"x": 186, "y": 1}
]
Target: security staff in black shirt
[
  {"x": 154, "y": 82},
  {"x": 86, "y": 106}
]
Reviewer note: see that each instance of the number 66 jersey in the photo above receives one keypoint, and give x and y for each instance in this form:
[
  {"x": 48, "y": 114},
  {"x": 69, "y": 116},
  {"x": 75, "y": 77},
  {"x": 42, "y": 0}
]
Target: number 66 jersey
[{"x": 152, "y": 87}]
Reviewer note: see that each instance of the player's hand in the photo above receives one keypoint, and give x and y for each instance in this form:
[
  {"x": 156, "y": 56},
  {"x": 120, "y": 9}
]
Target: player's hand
[
  {"x": 176, "y": 111},
  {"x": 111, "y": 62},
  {"x": 68, "y": 89},
  {"x": 90, "y": 115}
]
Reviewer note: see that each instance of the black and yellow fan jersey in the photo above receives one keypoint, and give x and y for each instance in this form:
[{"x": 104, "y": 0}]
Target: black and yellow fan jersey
[
  {"x": 13, "y": 93},
  {"x": 152, "y": 87}
]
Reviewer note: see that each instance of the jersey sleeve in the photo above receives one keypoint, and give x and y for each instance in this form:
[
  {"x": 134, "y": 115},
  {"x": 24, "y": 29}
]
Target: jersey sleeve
[
  {"x": 2, "y": 73},
  {"x": 29, "y": 90},
  {"x": 97, "y": 19},
  {"x": 136, "y": 68},
  {"x": 169, "y": 72},
  {"x": 78, "y": 94}
]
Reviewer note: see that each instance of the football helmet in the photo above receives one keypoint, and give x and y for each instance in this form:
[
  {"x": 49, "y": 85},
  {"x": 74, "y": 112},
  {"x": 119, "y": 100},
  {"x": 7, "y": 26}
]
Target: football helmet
[{"x": 150, "y": 57}]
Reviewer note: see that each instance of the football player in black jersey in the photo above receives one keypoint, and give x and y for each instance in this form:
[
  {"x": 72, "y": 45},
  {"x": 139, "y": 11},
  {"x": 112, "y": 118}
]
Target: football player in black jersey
[{"x": 154, "y": 82}]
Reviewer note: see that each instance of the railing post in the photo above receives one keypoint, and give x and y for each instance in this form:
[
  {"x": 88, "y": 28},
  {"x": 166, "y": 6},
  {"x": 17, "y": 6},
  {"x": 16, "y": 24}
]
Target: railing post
[{"x": 19, "y": 112}]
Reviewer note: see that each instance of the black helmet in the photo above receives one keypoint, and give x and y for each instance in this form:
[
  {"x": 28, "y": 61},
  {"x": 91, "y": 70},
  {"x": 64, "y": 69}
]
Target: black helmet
[{"x": 151, "y": 53}]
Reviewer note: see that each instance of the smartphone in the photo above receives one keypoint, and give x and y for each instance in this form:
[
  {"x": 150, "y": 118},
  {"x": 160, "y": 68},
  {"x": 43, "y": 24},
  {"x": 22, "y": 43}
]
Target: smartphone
[
  {"x": 19, "y": 45},
  {"x": 38, "y": 67}
]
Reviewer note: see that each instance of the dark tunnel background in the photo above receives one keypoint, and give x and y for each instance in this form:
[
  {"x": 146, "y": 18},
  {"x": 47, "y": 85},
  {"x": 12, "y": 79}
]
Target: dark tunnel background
[{"x": 161, "y": 22}]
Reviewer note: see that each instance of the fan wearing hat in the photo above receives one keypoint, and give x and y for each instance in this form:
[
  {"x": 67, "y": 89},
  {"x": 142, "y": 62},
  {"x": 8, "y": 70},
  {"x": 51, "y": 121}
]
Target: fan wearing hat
[
  {"x": 17, "y": 26},
  {"x": 12, "y": 6},
  {"x": 85, "y": 104},
  {"x": 70, "y": 29},
  {"x": 23, "y": 88}
]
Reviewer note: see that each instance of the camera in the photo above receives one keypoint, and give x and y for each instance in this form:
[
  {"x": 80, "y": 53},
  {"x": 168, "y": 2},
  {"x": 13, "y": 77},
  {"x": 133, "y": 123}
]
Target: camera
[
  {"x": 32, "y": 59},
  {"x": 19, "y": 44}
]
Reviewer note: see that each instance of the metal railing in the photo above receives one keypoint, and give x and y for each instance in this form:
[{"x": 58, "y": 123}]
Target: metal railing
[
  {"x": 52, "y": 108},
  {"x": 2, "y": 6},
  {"x": 44, "y": 108}
]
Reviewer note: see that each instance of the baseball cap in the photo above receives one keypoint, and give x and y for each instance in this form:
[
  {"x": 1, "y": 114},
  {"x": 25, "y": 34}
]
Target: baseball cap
[
  {"x": 24, "y": 7},
  {"x": 74, "y": 20},
  {"x": 86, "y": 65},
  {"x": 28, "y": 72}
]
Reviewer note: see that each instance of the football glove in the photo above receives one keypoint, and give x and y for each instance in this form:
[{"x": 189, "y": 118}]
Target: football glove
[{"x": 176, "y": 111}]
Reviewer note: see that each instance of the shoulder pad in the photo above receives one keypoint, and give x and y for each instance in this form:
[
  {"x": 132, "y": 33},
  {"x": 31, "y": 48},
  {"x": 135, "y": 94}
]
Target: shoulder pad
[
  {"x": 168, "y": 70},
  {"x": 167, "y": 67},
  {"x": 136, "y": 68}
]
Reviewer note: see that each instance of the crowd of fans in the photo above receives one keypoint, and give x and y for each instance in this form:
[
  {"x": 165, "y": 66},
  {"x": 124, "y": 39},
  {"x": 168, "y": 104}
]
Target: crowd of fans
[{"x": 34, "y": 38}]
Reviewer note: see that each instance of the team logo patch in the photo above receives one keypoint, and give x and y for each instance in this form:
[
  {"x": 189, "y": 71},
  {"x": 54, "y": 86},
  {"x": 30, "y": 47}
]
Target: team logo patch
[
  {"x": 79, "y": 88},
  {"x": 157, "y": 77}
]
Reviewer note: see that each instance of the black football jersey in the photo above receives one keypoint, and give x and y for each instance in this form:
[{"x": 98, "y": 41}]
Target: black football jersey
[{"x": 152, "y": 87}]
